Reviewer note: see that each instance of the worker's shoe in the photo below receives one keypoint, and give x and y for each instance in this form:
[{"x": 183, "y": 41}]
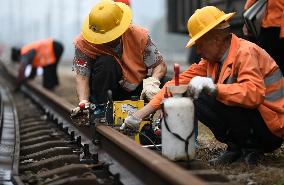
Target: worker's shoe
[
  {"x": 227, "y": 157},
  {"x": 253, "y": 157}
]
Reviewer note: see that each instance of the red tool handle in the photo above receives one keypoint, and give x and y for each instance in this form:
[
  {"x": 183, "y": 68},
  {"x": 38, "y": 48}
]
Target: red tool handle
[
  {"x": 82, "y": 105},
  {"x": 166, "y": 93},
  {"x": 176, "y": 70}
]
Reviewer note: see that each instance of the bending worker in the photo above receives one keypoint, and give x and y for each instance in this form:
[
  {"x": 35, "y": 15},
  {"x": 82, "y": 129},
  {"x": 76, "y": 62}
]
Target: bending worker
[
  {"x": 237, "y": 87},
  {"x": 113, "y": 54},
  {"x": 44, "y": 53}
]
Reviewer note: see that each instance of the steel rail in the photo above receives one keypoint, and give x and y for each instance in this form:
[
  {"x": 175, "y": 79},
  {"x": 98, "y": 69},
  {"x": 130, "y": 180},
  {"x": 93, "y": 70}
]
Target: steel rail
[{"x": 146, "y": 165}]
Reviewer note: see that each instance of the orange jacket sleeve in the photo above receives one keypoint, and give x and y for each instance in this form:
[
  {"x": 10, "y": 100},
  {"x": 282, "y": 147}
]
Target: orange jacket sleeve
[
  {"x": 249, "y": 91},
  {"x": 282, "y": 26},
  {"x": 199, "y": 69}
]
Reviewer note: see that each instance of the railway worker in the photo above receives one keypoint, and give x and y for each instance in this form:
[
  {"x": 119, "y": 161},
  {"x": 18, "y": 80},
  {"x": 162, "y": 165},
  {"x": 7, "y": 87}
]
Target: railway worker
[
  {"x": 271, "y": 36},
  {"x": 112, "y": 53},
  {"x": 43, "y": 53},
  {"x": 237, "y": 87}
]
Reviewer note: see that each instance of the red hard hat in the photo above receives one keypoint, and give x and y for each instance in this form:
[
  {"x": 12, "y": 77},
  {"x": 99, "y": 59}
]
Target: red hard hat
[{"x": 123, "y": 1}]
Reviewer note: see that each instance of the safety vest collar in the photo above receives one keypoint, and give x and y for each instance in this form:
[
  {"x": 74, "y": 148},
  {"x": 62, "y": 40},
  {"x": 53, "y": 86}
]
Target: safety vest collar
[{"x": 226, "y": 68}]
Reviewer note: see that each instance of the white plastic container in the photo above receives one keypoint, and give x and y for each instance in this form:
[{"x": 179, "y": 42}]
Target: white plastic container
[{"x": 180, "y": 120}]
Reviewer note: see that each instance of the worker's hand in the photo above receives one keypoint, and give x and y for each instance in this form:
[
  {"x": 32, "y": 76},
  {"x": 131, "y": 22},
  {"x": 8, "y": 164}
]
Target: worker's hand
[
  {"x": 198, "y": 83},
  {"x": 132, "y": 122},
  {"x": 150, "y": 88},
  {"x": 83, "y": 104}
]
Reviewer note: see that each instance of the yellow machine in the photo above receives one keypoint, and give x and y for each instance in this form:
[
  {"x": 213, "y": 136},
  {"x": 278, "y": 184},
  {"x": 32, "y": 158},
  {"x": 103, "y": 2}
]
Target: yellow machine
[
  {"x": 114, "y": 114},
  {"x": 121, "y": 109}
]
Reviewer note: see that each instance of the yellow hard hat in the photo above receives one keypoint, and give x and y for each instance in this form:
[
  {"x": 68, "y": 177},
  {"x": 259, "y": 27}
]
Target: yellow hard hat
[
  {"x": 204, "y": 20},
  {"x": 107, "y": 21}
]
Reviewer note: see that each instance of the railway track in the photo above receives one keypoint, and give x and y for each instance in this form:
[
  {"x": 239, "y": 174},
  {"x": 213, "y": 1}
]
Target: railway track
[{"x": 40, "y": 145}]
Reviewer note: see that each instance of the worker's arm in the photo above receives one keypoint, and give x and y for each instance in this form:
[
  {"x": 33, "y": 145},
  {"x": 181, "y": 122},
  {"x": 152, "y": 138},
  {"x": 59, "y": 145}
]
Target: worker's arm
[
  {"x": 151, "y": 85},
  {"x": 154, "y": 61},
  {"x": 25, "y": 60},
  {"x": 145, "y": 111},
  {"x": 199, "y": 69},
  {"x": 159, "y": 71},
  {"x": 82, "y": 68},
  {"x": 82, "y": 87},
  {"x": 83, "y": 93},
  {"x": 134, "y": 120}
]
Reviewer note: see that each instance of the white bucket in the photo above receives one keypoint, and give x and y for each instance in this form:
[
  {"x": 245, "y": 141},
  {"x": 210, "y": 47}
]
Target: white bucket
[{"x": 180, "y": 120}]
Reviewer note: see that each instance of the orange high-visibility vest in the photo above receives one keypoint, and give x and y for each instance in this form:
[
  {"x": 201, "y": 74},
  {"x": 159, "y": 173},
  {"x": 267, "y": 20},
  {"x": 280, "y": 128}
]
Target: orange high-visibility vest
[
  {"x": 44, "y": 52},
  {"x": 249, "y": 78},
  {"x": 134, "y": 41},
  {"x": 282, "y": 26}
]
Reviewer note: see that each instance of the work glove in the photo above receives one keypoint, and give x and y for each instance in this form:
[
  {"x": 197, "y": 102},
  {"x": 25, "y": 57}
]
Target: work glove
[
  {"x": 131, "y": 122},
  {"x": 83, "y": 105},
  {"x": 150, "y": 88},
  {"x": 81, "y": 115},
  {"x": 198, "y": 83}
]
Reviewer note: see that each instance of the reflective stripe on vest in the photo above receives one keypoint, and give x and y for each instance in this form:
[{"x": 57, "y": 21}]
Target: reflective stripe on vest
[
  {"x": 277, "y": 93},
  {"x": 269, "y": 80},
  {"x": 276, "y": 76}
]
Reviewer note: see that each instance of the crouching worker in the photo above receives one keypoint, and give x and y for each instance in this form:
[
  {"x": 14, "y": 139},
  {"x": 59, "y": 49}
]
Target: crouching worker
[
  {"x": 237, "y": 87},
  {"x": 44, "y": 53},
  {"x": 113, "y": 54}
]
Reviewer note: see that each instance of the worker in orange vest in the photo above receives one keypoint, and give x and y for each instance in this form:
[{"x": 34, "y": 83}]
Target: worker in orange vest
[
  {"x": 271, "y": 36},
  {"x": 43, "y": 53},
  {"x": 237, "y": 87},
  {"x": 113, "y": 54}
]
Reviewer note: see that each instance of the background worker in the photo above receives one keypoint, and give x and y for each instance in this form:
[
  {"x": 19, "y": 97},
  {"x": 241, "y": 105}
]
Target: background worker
[
  {"x": 111, "y": 53},
  {"x": 237, "y": 88},
  {"x": 271, "y": 36},
  {"x": 43, "y": 53}
]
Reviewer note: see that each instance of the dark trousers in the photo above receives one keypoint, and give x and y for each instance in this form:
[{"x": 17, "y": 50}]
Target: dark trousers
[
  {"x": 50, "y": 77},
  {"x": 106, "y": 74},
  {"x": 237, "y": 127},
  {"x": 270, "y": 41}
]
